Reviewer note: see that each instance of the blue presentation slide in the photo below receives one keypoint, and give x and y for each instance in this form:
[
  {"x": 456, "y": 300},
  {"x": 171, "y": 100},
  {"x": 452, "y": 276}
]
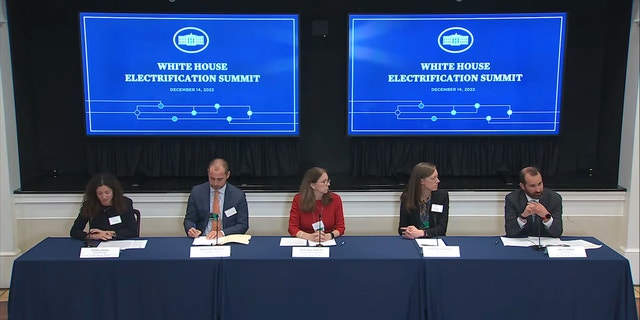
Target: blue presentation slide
[
  {"x": 455, "y": 74},
  {"x": 186, "y": 74}
]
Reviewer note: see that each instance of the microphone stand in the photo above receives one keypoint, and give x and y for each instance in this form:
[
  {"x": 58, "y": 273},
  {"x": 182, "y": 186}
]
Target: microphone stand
[
  {"x": 214, "y": 216},
  {"x": 320, "y": 228},
  {"x": 217, "y": 216},
  {"x": 435, "y": 220},
  {"x": 538, "y": 247},
  {"x": 88, "y": 242}
]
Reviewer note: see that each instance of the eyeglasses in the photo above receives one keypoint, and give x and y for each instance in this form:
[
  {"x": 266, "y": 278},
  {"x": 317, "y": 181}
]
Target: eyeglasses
[{"x": 328, "y": 181}]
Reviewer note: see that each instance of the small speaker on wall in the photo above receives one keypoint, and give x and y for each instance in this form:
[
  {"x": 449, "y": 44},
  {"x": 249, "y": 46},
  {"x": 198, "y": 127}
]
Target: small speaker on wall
[{"x": 320, "y": 28}]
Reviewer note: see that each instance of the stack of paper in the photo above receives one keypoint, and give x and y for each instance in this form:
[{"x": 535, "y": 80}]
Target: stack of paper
[
  {"x": 430, "y": 242},
  {"x": 327, "y": 243},
  {"x": 547, "y": 242},
  {"x": 124, "y": 244},
  {"x": 292, "y": 242},
  {"x": 235, "y": 238}
]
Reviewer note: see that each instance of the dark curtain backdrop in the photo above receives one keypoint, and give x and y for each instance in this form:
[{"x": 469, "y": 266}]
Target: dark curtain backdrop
[
  {"x": 384, "y": 157},
  {"x": 454, "y": 156},
  {"x": 189, "y": 157}
]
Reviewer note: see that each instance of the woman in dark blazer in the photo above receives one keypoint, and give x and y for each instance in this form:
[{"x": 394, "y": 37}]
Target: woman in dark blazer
[
  {"x": 424, "y": 210},
  {"x": 107, "y": 211}
]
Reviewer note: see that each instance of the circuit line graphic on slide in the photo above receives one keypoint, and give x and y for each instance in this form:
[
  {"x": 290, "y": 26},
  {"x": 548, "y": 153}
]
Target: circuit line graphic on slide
[
  {"x": 156, "y": 110},
  {"x": 492, "y": 114}
]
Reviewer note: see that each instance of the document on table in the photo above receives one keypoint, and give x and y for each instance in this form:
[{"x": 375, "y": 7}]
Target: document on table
[
  {"x": 547, "y": 242},
  {"x": 237, "y": 238},
  {"x": 124, "y": 244},
  {"x": 292, "y": 242},
  {"x": 582, "y": 243},
  {"x": 327, "y": 243},
  {"x": 516, "y": 242},
  {"x": 530, "y": 241},
  {"x": 422, "y": 242}
]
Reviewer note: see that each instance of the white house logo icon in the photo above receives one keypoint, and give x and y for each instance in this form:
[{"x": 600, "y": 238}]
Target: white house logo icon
[
  {"x": 455, "y": 40},
  {"x": 190, "y": 40}
]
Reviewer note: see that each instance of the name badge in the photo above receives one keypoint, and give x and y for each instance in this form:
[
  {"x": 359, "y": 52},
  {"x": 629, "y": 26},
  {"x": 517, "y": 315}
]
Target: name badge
[
  {"x": 437, "y": 208},
  {"x": 318, "y": 225},
  {"x": 230, "y": 212},
  {"x": 115, "y": 220},
  {"x": 442, "y": 252},
  {"x": 310, "y": 252},
  {"x": 566, "y": 252},
  {"x": 210, "y": 252},
  {"x": 110, "y": 252}
]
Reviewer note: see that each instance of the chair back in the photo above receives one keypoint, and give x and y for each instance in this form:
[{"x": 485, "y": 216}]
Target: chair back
[{"x": 136, "y": 214}]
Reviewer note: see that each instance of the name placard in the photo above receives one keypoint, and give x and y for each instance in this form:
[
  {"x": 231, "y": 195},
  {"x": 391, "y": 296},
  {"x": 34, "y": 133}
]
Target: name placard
[
  {"x": 440, "y": 251},
  {"x": 310, "y": 252},
  {"x": 210, "y": 252},
  {"x": 566, "y": 252},
  {"x": 109, "y": 252}
]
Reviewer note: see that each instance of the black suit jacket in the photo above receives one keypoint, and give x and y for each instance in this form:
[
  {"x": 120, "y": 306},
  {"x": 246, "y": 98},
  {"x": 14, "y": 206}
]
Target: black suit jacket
[
  {"x": 514, "y": 204},
  {"x": 127, "y": 228},
  {"x": 437, "y": 220}
]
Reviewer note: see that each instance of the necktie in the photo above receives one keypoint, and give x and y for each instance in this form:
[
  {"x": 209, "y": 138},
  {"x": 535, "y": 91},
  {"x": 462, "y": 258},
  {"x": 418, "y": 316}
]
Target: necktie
[
  {"x": 215, "y": 209},
  {"x": 535, "y": 216}
]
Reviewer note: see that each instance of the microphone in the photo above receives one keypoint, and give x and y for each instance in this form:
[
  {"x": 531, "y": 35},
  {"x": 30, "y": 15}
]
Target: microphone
[
  {"x": 214, "y": 216},
  {"x": 88, "y": 242},
  {"x": 320, "y": 227},
  {"x": 426, "y": 224},
  {"x": 534, "y": 219},
  {"x": 435, "y": 220}
]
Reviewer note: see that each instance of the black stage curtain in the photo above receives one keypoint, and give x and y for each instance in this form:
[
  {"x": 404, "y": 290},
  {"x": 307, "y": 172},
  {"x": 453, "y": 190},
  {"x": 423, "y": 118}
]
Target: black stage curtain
[
  {"x": 454, "y": 156},
  {"x": 189, "y": 157}
]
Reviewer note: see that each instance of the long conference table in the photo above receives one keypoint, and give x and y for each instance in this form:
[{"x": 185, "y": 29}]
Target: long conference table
[{"x": 365, "y": 277}]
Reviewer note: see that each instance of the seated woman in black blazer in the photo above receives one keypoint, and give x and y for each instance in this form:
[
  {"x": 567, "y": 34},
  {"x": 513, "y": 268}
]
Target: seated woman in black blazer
[
  {"x": 108, "y": 212},
  {"x": 424, "y": 210}
]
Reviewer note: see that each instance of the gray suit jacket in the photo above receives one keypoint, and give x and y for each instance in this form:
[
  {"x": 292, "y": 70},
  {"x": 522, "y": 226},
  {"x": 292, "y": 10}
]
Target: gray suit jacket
[
  {"x": 199, "y": 207},
  {"x": 514, "y": 204}
]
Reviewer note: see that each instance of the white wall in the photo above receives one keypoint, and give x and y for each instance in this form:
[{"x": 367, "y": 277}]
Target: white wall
[
  {"x": 629, "y": 174},
  {"x": 9, "y": 168}
]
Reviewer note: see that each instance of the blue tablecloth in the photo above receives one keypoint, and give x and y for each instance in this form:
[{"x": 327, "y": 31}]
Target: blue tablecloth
[
  {"x": 50, "y": 281},
  {"x": 364, "y": 278},
  {"x": 491, "y": 281}
]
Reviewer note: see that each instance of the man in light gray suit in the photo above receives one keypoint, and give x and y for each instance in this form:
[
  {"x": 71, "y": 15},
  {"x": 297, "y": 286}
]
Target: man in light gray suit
[
  {"x": 532, "y": 210},
  {"x": 232, "y": 216}
]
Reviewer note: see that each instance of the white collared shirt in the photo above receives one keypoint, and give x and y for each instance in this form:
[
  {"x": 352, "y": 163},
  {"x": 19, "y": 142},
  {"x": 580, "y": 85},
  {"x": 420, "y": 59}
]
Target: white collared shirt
[
  {"x": 546, "y": 224},
  {"x": 220, "y": 200}
]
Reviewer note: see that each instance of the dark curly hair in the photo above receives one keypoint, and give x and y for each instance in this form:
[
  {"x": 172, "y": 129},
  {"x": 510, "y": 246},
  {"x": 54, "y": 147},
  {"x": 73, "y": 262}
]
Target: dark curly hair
[{"x": 91, "y": 204}]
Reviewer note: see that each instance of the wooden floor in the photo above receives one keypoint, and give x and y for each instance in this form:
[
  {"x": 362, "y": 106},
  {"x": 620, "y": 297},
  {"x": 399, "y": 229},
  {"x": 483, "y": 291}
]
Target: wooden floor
[{"x": 4, "y": 296}]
